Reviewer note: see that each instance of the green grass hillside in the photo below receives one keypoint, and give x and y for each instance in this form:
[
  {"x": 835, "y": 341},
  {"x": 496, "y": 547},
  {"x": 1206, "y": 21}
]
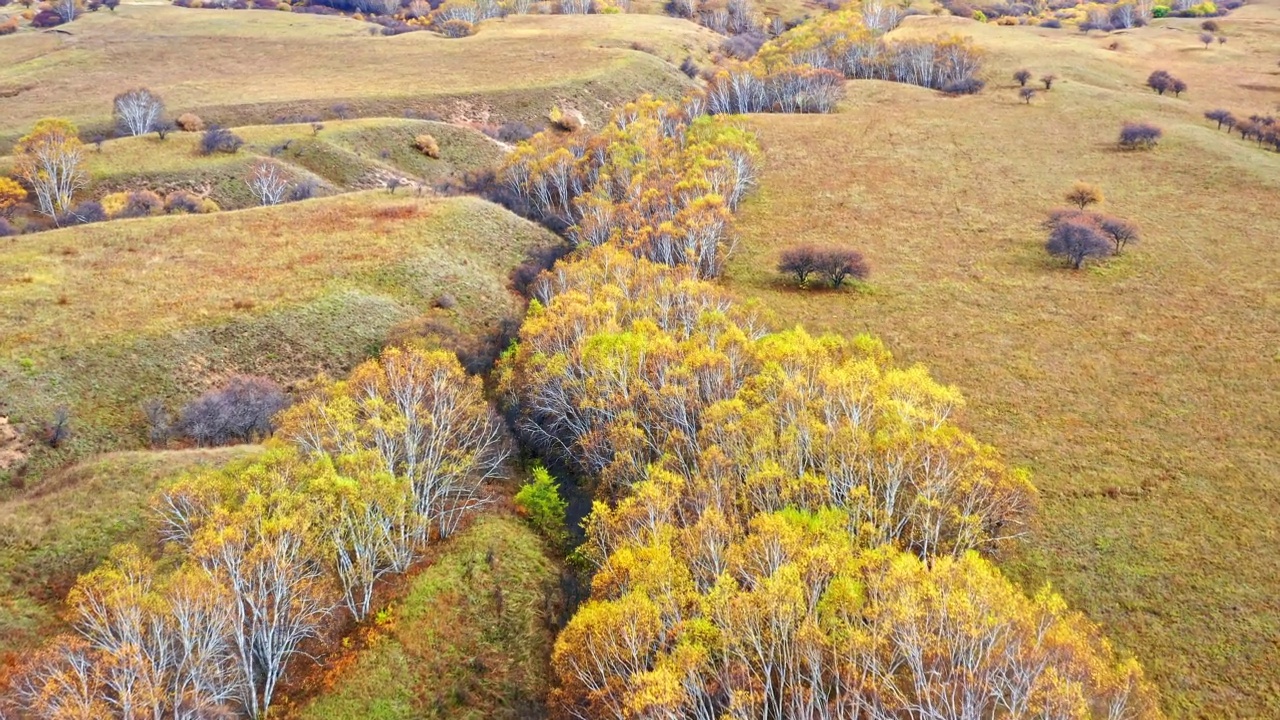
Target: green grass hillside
[
  {"x": 1144, "y": 392},
  {"x": 250, "y": 67},
  {"x": 101, "y": 317},
  {"x": 469, "y": 641},
  {"x": 68, "y": 526}
]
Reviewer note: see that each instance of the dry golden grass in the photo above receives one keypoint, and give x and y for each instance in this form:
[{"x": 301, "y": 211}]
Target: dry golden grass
[
  {"x": 245, "y": 67},
  {"x": 1144, "y": 393}
]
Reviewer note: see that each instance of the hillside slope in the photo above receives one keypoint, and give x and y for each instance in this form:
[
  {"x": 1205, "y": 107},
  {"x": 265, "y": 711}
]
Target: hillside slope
[
  {"x": 1144, "y": 392},
  {"x": 101, "y": 317}
]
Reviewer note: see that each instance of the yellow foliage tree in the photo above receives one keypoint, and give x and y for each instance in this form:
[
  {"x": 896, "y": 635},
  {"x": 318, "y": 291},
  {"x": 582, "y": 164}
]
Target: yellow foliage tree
[
  {"x": 50, "y": 160},
  {"x": 11, "y": 193}
]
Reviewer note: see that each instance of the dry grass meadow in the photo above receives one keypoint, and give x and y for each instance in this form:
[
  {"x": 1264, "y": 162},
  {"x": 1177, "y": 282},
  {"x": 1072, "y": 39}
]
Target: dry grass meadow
[
  {"x": 1144, "y": 392},
  {"x": 250, "y": 67}
]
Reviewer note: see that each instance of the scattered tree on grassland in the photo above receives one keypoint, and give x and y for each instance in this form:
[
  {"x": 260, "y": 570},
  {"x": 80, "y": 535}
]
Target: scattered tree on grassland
[
  {"x": 1048, "y": 81},
  {"x": 267, "y": 182},
  {"x": 1139, "y": 135},
  {"x": 1219, "y": 116},
  {"x": 1026, "y": 94},
  {"x": 799, "y": 261},
  {"x": 1122, "y": 232},
  {"x": 50, "y": 161},
  {"x": 1083, "y": 194},
  {"x": 139, "y": 111},
  {"x": 1161, "y": 81},
  {"x": 1077, "y": 239},
  {"x": 833, "y": 264},
  {"x": 1207, "y": 39},
  {"x": 1118, "y": 231},
  {"x": 1022, "y": 76}
]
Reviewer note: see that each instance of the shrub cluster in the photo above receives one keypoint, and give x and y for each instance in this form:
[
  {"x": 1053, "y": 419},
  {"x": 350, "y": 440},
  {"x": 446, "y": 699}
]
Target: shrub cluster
[
  {"x": 427, "y": 145},
  {"x": 1139, "y": 135},
  {"x": 190, "y": 122},
  {"x": 218, "y": 139},
  {"x": 1162, "y": 82},
  {"x": 242, "y": 410}
]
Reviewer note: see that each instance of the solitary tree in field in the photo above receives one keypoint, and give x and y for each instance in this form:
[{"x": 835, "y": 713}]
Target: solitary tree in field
[
  {"x": 1077, "y": 239},
  {"x": 50, "y": 160},
  {"x": 1048, "y": 81},
  {"x": 1222, "y": 39},
  {"x": 1022, "y": 76},
  {"x": 1083, "y": 194},
  {"x": 1210, "y": 26},
  {"x": 1136, "y": 135},
  {"x": 1026, "y": 94},
  {"x": 1207, "y": 39},
  {"x": 138, "y": 111},
  {"x": 1178, "y": 87},
  {"x": 268, "y": 183}
]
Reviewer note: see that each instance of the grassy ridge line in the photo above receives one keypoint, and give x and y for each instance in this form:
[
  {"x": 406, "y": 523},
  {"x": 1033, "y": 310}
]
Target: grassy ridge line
[
  {"x": 345, "y": 155},
  {"x": 104, "y": 316},
  {"x": 247, "y": 67},
  {"x": 48, "y": 538},
  {"x": 1143, "y": 393}
]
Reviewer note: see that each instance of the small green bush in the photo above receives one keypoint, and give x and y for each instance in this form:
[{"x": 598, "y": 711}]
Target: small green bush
[
  {"x": 1160, "y": 11},
  {"x": 540, "y": 503}
]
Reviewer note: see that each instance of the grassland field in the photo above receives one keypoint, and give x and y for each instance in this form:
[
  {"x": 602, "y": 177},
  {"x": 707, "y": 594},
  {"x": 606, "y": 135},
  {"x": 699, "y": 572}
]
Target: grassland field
[
  {"x": 1143, "y": 392},
  {"x": 251, "y": 67}
]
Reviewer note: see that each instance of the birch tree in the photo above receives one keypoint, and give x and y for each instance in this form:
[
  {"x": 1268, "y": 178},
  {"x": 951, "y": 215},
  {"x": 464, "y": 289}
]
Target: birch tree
[{"x": 50, "y": 159}]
